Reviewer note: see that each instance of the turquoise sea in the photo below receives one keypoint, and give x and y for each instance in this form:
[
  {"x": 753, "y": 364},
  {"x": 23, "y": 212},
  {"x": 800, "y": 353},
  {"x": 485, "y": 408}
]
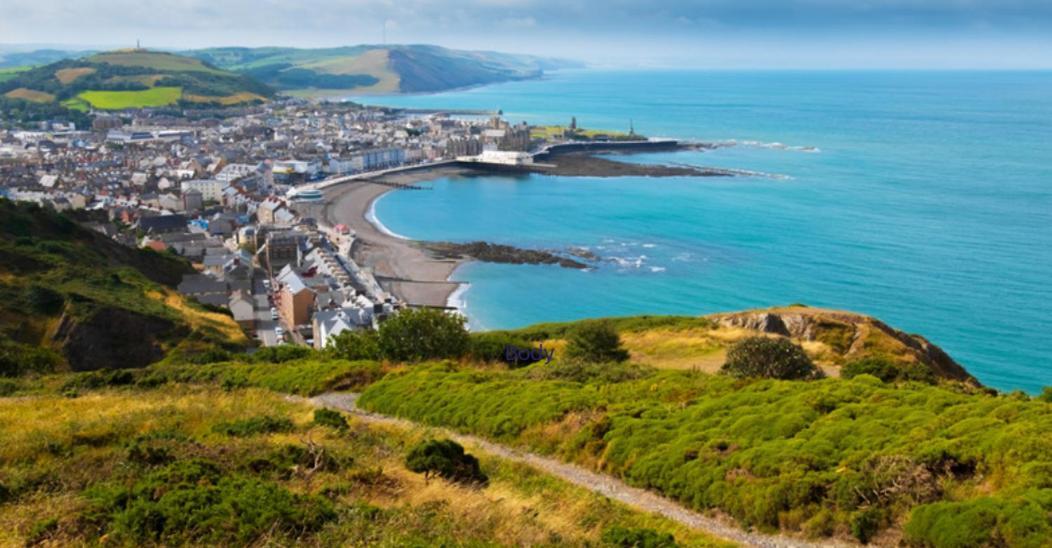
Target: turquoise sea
[{"x": 928, "y": 204}]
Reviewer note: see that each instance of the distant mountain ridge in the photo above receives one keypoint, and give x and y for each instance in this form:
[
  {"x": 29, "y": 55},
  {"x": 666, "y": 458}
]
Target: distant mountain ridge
[
  {"x": 132, "y": 78},
  {"x": 362, "y": 69},
  {"x": 378, "y": 69}
]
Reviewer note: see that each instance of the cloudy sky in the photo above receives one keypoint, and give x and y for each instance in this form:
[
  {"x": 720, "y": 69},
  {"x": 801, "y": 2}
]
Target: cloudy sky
[{"x": 697, "y": 33}]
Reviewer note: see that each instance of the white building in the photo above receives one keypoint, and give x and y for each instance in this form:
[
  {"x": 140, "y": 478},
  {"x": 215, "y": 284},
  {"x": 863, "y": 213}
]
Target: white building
[{"x": 210, "y": 189}]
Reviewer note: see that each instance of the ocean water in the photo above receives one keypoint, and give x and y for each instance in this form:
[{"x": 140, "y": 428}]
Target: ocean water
[{"x": 928, "y": 204}]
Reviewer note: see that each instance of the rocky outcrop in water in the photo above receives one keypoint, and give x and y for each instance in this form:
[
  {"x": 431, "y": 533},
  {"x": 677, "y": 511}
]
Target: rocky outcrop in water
[{"x": 498, "y": 253}]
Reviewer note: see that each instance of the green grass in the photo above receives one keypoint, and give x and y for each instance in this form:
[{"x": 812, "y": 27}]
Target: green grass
[
  {"x": 77, "y": 104},
  {"x": 11, "y": 72},
  {"x": 194, "y": 465},
  {"x": 830, "y": 457},
  {"x": 119, "y": 100},
  {"x": 153, "y": 60},
  {"x": 305, "y": 377}
]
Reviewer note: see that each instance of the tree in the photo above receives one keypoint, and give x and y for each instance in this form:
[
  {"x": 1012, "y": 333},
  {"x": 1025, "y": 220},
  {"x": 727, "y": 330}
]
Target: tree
[
  {"x": 423, "y": 334},
  {"x": 355, "y": 345},
  {"x": 446, "y": 459},
  {"x": 595, "y": 342},
  {"x": 769, "y": 358}
]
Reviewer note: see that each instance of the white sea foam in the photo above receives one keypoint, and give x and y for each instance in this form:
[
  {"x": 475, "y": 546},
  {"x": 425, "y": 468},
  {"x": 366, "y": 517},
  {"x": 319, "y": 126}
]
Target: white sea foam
[
  {"x": 774, "y": 146},
  {"x": 657, "y": 269},
  {"x": 375, "y": 221}
]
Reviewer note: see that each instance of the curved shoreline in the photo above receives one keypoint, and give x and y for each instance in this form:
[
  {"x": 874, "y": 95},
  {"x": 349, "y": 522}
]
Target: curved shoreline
[{"x": 401, "y": 267}]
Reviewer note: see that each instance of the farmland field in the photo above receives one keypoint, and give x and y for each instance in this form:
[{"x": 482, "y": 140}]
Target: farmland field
[{"x": 117, "y": 100}]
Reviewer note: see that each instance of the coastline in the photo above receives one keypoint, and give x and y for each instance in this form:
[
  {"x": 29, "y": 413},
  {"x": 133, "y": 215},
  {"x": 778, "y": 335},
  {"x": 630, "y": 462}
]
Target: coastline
[
  {"x": 402, "y": 268},
  {"x": 423, "y": 277}
]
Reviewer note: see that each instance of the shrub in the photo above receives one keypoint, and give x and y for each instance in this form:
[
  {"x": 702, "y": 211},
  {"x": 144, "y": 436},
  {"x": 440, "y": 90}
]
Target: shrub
[
  {"x": 281, "y": 353},
  {"x": 17, "y": 359},
  {"x": 446, "y": 459},
  {"x": 986, "y": 521},
  {"x": 423, "y": 334},
  {"x": 625, "y": 537},
  {"x": 595, "y": 342},
  {"x": 769, "y": 358},
  {"x": 1046, "y": 394},
  {"x": 330, "y": 418},
  {"x": 887, "y": 370},
  {"x": 865, "y": 524},
  {"x": 592, "y": 372},
  {"x": 489, "y": 347},
  {"x": 253, "y": 426},
  {"x": 45, "y": 300},
  {"x": 8, "y": 387},
  {"x": 355, "y": 345},
  {"x": 94, "y": 380},
  {"x": 192, "y": 502}
]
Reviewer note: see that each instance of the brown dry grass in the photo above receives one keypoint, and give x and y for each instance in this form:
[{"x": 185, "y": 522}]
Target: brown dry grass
[
  {"x": 68, "y": 75},
  {"x": 27, "y": 94}
]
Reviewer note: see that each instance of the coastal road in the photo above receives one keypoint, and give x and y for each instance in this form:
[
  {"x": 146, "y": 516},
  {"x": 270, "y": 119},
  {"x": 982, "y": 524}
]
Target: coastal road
[{"x": 601, "y": 484}]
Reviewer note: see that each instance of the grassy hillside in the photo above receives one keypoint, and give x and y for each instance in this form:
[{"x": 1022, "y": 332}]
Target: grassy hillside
[
  {"x": 846, "y": 458},
  {"x": 174, "y": 464},
  {"x": 833, "y": 339},
  {"x": 127, "y": 79},
  {"x": 72, "y": 299},
  {"x": 376, "y": 69}
]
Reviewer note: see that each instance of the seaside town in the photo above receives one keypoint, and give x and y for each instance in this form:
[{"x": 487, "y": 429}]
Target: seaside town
[{"x": 228, "y": 193}]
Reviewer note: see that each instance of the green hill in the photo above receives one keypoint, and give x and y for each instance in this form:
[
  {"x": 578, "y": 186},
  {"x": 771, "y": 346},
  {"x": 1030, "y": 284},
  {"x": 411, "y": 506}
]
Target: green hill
[
  {"x": 70, "y": 298},
  {"x": 377, "y": 69},
  {"x": 127, "y": 79}
]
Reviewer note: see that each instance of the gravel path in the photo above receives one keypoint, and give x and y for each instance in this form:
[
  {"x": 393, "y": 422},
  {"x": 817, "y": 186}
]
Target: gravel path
[{"x": 597, "y": 483}]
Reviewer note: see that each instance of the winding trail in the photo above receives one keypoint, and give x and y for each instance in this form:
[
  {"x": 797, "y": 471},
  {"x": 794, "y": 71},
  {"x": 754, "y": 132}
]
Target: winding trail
[{"x": 597, "y": 483}]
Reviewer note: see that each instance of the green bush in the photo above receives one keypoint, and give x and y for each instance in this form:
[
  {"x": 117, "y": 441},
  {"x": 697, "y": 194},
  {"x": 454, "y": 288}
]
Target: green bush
[
  {"x": 769, "y": 358},
  {"x": 887, "y": 370},
  {"x": 355, "y": 345},
  {"x": 193, "y": 502},
  {"x": 253, "y": 426},
  {"x": 281, "y": 353},
  {"x": 45, "y": 300},
  {"x": 423, "y": 334},
  {"x": 624, "y": 537},
  {"x": 330, "y": 418},
  {"x": 446, "y": 459},
  {"x": 592, "y": 372},
  {"x": 595, "y": 342},
  {"x": 489, "y": 346},
  {"x": 95, "y": 380},
  {"x": 986, "y": 521},
  {"x": 18, "y": 359},
  {"x": 865, "y": 524},
  {"x": 1046, "y": 394},
  {"x": 8, "y": 387}
]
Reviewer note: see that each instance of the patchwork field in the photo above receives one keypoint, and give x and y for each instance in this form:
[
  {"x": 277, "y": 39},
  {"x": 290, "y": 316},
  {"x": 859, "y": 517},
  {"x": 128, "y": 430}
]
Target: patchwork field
[
  {"x": 30, "y": 95},
  {"x": 68, "y": 75},
  {"x": 117, "y": 100},
  {"x": 9, "y": 73}
]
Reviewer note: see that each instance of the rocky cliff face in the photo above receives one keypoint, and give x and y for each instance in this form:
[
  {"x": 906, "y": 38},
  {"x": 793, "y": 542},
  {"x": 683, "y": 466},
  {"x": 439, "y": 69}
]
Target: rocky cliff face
[
  {"x": 849, "y": 336},
  {"x": 113, "y": 338}
]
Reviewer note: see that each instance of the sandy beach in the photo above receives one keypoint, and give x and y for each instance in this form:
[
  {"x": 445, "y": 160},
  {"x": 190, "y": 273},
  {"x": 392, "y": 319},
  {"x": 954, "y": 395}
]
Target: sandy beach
[
  {"x": 401, "y": 267},
  {"x": 421, "y": 277}
]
